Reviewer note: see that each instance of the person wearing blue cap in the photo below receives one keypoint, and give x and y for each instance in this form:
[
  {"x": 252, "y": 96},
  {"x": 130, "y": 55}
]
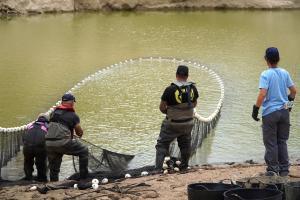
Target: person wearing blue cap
[
  {"x": 64, "y": 123},
  {"x": 276, "y": 104}
]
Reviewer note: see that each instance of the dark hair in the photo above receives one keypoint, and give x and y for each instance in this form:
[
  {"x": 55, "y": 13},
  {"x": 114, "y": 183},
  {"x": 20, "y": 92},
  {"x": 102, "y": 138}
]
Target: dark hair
[
  {"x": 182, "y": 70},
  {"x": 272, "y": 55}
]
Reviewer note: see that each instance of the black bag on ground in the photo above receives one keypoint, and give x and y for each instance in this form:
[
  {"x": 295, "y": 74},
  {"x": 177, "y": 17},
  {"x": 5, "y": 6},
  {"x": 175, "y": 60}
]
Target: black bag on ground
[
  {"x": 208, "y": 191},
  {"x": 292, "y": 191}
]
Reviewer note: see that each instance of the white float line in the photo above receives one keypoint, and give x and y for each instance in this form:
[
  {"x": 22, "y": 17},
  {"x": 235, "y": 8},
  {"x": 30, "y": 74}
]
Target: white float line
[{"x": 198, "y": 116}]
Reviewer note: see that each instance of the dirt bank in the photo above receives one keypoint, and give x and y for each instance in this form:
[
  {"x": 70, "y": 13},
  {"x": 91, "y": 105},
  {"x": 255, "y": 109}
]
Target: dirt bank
[
  {"x": 163, "y": 187},
  {"x": 44, "y": 6}
]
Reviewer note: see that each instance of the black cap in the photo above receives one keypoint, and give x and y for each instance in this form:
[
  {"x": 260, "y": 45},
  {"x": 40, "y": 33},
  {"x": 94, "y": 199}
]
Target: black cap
[
  {"x": 182, "y": 70},
  {"x": 68, "y": 97},
  {"x": 272, "y": 55}
]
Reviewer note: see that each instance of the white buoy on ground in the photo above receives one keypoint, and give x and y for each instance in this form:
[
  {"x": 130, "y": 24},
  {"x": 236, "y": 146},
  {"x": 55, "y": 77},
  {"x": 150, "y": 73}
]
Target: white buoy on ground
[
  {"x": 75, "y": 186},
  {"x": 95, "y": 186},
  {"x": 144, "y": 173},
  {"x": 104, "y": 181},
  {"x": 167, "y": 158},
  {"x": 165, "y": 166},
  {"x": 165, "y": 171},
  {"x": 127, "y": 176},
  {"x": 95, "y": 181},
  {"x": 33, "y": 188},
  {"x": 178, "y": 162},
  {"x": 176, "y": 169}
]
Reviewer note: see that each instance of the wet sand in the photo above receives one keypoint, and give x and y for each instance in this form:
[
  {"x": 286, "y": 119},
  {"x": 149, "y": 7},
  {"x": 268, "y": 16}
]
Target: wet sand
[{"x": 164, "y": 187}]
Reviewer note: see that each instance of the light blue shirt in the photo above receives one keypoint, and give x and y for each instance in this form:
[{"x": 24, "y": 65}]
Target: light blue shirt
[{"x": 276, "y": 81}]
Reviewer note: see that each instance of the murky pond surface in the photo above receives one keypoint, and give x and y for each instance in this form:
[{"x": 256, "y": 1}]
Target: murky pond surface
[{"x": 41, "y": 57}]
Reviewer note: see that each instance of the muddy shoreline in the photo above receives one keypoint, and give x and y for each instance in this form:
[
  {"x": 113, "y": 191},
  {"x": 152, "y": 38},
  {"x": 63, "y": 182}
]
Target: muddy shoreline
[{"x": 161, "y": 187}]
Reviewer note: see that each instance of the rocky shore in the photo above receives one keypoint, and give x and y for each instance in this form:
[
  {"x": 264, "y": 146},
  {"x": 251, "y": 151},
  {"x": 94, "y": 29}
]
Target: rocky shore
[
  {"x": 12, "y": 7},
  {"x": 160, "y": 187}
]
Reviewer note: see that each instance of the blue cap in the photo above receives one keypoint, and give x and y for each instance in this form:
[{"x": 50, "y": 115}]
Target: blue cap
[
  {"x": 68, "y": 97},
  {"x": 272, "y": 54}
]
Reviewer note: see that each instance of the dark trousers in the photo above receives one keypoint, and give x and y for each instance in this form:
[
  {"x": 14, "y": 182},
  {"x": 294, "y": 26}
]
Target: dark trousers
[
  {"x": 168, "y": 132},
  {"x": 37, "y": 155},
  {"x": 73, "y": 147},
  {"x": 276, "y": 129}
]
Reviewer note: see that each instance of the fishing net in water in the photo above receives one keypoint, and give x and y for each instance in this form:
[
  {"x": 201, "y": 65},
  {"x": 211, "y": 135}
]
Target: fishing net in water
[
  {"x": 105, "y": 163},
  {"x": 103, "y": 160}
]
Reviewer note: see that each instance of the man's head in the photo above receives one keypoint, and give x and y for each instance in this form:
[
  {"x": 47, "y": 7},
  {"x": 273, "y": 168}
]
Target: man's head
[
  {"x": 182, "y": 73},
  {"x": 68, "y": 98},
  {"x": 43, "y": 117},
  {"x": 272, "y": 56}
]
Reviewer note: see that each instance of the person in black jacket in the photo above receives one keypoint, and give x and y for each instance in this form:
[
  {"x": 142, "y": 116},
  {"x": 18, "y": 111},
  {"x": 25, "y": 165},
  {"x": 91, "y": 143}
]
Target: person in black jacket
[
  {"x": 34, "y": 149},
  {"x": 177, "y": 102},
  {"x": 64, "y": 123}
]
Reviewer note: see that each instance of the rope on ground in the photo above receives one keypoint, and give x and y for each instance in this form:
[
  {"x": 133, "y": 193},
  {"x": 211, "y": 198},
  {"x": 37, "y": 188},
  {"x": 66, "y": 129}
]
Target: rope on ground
[{"x": 132, "y": 189}]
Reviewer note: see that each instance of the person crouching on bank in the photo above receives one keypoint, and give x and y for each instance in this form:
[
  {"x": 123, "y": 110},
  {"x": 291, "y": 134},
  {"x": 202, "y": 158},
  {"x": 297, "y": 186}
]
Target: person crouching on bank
[
  {"x": 34, "y": 149},
  {"x": 59, "y": 140},
  {"x": 177, "y": 102}
]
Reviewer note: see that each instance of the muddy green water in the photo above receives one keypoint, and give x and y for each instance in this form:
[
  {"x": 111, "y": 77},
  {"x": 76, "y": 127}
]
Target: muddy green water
[{"x": 41, "y": 57}]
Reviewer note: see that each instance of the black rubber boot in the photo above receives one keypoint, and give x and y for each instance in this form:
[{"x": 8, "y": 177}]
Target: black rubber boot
[
  {"x": 83, "y": 174},
  {"x": 26, "y": 178},
  {"x": 83, "y": 165},
  {"x": 159, "y": 160},
  {"x": 53, "y": 177},
  {"x": 185, "y": 156}
]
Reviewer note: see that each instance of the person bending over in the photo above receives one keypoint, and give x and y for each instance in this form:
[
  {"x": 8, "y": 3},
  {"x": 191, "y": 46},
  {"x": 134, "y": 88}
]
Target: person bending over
[
  {"x": 64, "y": 123},
  {"x": 34, "y": 148}
]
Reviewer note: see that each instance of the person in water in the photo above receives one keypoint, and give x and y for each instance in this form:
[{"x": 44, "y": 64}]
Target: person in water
[
  {"x": 34, "y": 148},
  {"x": 177, "y": 102},
  {"x": 64, "y": 123},
  {"x": 276, "y": 104}
]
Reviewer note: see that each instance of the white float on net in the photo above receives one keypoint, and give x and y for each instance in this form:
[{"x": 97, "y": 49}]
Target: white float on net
[
  {"x": 127, "y": 176},
  {"x": 104, "y": 181},
  {"x": 95, "y": 181}
]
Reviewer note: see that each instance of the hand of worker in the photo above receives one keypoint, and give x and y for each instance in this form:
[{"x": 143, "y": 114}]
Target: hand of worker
[
  {"x": 79, "y": 135},
  {"x": 290, "y": 99},
  {"x": 255, "y": 113}
]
